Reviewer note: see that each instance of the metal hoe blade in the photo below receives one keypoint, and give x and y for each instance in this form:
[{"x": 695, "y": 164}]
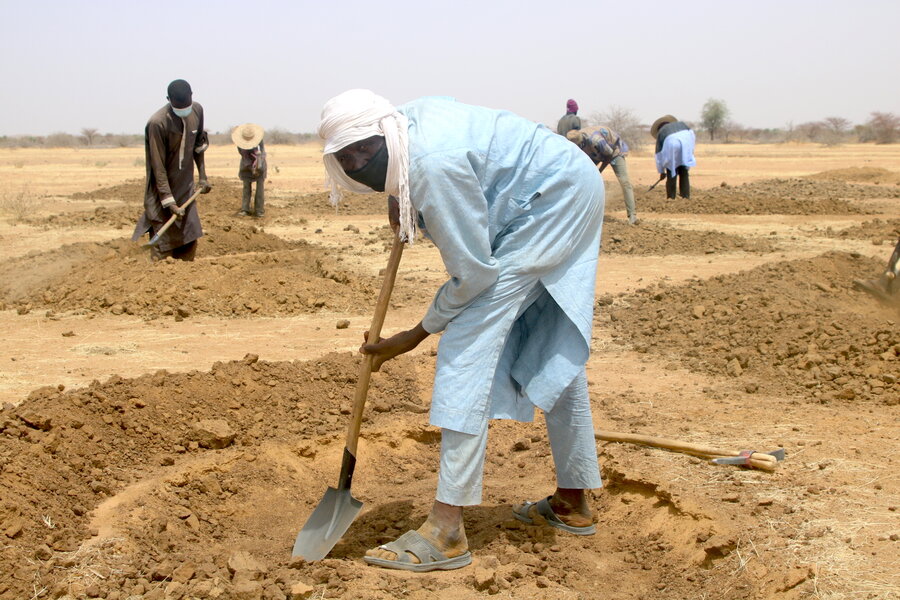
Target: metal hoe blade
[
  {"x": 327, "y": 524},
  {"x": 740, "y": 460}
]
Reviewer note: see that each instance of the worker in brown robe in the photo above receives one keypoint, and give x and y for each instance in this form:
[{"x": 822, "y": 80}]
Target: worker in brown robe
[{"x": 174, "y": 141}]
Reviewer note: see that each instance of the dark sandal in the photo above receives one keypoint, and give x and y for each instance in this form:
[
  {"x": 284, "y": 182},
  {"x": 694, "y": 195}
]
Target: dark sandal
[{"x": 545, "y": 510}]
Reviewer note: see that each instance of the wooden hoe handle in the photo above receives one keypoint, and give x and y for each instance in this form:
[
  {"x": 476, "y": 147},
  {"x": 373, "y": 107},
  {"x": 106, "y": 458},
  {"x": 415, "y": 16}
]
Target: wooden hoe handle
[
  {"x": 172, "y": 219},
  {"x": 759, "y": 460},
  {"x": 365, "y": 371}
]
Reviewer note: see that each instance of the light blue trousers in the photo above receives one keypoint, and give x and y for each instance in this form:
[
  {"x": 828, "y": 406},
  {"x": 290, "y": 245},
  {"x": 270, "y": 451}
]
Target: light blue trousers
[{"x": 570, "y": 430}]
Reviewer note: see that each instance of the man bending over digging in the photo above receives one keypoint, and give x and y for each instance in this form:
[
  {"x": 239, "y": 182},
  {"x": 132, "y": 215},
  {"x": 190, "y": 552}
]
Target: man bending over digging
[{"x": 516, "y": 212}]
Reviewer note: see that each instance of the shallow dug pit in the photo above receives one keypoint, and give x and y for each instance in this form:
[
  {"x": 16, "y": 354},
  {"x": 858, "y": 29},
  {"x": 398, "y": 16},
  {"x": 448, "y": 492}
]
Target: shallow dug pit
[
  {"x": 771, "y": 196},
  {"x": 649, "y": 238},
  {"x": 194, "y": 486},
  {"x": 187, "y": 454},
  {"x": 241, "y": 271},
  {"x": 792, "y": 328}
]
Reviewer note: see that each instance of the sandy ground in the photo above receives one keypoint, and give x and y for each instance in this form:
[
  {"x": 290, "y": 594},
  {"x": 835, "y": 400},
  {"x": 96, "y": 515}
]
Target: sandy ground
[{"x": 107, "y": 378}]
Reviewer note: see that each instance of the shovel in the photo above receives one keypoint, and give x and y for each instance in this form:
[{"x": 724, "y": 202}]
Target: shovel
[
  {"x": 168, "y": 223},
  {"x": 337, "y": 509}
]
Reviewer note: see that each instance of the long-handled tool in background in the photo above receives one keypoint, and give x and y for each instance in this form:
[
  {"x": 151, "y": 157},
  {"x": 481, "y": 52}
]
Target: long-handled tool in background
[
  {"x": 766, "y": 461},
  {"x": 661, "y": 177},
  {"x": 171, "y": 220},
  {"x": 887, "y": 287},
  {"x": 337, "y": 509}
]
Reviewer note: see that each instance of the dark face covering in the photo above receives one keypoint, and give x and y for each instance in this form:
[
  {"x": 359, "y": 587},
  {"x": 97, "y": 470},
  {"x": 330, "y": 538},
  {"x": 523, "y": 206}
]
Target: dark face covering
[{"x": 374, "y": 173}]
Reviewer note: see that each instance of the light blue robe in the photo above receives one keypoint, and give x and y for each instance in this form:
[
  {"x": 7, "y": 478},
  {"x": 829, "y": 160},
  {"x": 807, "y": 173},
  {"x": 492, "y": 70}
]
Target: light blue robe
[
  {"x": 512, "y": 207},
  {"x": 677, "y": 151}
]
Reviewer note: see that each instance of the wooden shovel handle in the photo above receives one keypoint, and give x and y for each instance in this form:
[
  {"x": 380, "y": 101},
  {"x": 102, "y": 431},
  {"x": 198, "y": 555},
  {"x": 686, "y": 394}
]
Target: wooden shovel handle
[
  {"x": 365, "y": 371},
  {"x": 677, "y": 445}
]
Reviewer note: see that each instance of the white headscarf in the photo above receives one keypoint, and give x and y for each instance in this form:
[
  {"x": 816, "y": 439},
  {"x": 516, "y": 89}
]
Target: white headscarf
[{"x": 359, "y": 114}]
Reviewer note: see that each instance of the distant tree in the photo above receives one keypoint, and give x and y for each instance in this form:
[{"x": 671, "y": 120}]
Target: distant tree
[
  {"x": 89, "y": 133},
  {"x": 61, "y": 140},
  {"x": 277, "y": 135},
  {"x": 811, "y": 131},
  {"x": 835, "y": 130},
  {"x": 837, "y": 124},
  {"x": 713, "y": 116},
  {"x": 883, "y": 128},
  {"x": 789, "y": 131},
  {"x": 733, "y": 129},
  {"x": 624, "y": 122}
]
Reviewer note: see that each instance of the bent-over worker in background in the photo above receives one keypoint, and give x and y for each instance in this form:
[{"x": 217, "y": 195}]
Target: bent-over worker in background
[
  {"x": 249, "y": 141},
  {"x": 606, "y": 147},
  {"x": 570, "y": 120},
  {"x": 514, "y": 210},
  {"x": 674, "y": 154},
  {"x": 174, "y": 141}
]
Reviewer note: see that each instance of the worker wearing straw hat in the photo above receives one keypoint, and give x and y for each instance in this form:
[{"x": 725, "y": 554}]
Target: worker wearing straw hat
[
  {"x": 249, "y": 141},
  {"x": 674, "y": 154}
]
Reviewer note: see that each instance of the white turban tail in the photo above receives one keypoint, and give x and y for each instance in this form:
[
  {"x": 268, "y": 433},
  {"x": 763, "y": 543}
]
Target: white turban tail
[{"x": 359, "y": 114}]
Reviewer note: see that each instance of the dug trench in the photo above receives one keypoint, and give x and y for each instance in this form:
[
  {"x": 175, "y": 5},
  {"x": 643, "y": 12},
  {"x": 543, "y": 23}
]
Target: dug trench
[
  {"x": 797, "y": 196},
  {"x": 243, "y": 269},
  {"x": 194, "y": 484}
]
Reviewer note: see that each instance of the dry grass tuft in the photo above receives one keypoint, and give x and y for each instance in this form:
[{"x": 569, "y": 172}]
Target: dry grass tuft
[{"x": 18, "y": 205}]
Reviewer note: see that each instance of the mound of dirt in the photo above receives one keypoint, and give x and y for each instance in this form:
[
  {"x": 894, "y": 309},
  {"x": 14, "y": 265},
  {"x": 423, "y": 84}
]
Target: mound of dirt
[
  {"x": 217, "y": 208},
  {"x": 243, "y": 271},
  {"x": 649, "y": 238},
  {"x": 351, "y": 204},
  {"x": 63, "y": 454},
  {"x": 792, "y": 328},
  {"x": 131, "y": 191},
  {"x": 115, "y": 217},
  {"x": 877, "y": 230},
  {"x": 771, "y": 196},
  {"x": 872, "y": 175}
]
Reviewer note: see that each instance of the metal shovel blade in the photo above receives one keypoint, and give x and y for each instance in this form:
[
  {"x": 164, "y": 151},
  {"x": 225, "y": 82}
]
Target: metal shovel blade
[{"x": 327, "y": 524}]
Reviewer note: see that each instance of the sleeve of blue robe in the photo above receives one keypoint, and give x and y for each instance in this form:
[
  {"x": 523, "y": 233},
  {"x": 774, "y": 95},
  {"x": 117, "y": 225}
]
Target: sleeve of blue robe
[{"x": 455, "y": 213}]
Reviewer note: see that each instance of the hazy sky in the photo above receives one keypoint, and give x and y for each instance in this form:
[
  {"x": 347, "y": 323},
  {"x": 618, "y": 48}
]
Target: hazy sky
[{"x": 105, "y": 64}]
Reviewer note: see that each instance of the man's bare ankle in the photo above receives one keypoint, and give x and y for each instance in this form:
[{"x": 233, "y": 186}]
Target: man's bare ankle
[{"x": 571, "y": 503}]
